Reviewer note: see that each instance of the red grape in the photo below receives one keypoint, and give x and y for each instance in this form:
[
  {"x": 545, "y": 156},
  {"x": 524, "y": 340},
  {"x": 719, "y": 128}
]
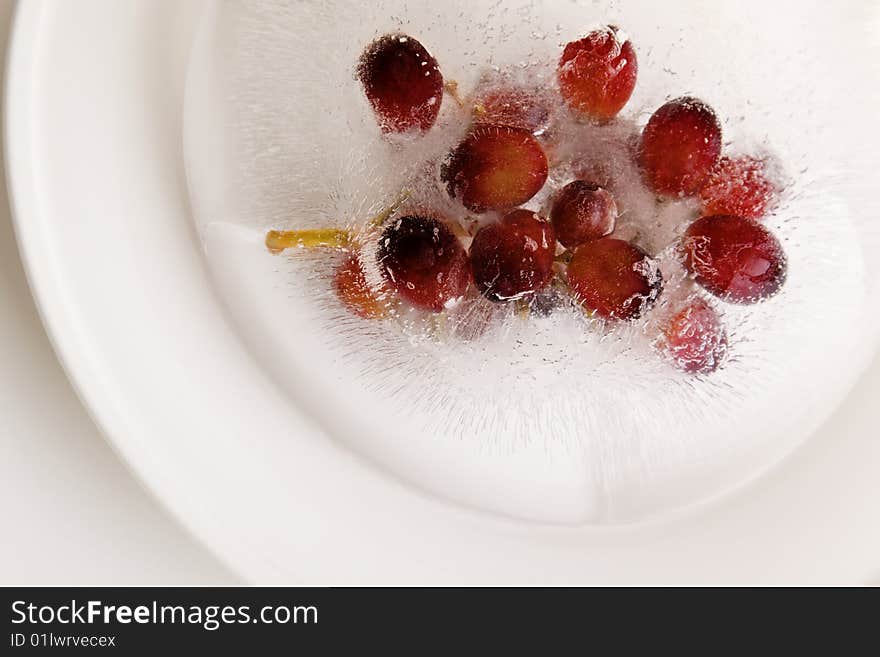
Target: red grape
[
  {"x": 597, "y": 74},
  {"x": 495, "y": 168},
  {"x": 423, "y": 260},
  {"x": 739, "y": 186},
  {"x": 353, "y": 290},
  {"x": 515, "y": 107},
  {"x": 514, "y": 257},
  {"x": 402, "y": 82},
  {"x": 614, "y": 278},
  {"x": 680, "y": 146},
  {"x": 734, "y": 258},
  {"x": 695, "y": 339},
  {"x": 582, "y": 212}
]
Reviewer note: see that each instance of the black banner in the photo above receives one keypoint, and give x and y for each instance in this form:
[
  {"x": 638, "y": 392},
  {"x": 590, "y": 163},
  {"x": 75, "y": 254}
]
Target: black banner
[{"x": 242, "y": 620}]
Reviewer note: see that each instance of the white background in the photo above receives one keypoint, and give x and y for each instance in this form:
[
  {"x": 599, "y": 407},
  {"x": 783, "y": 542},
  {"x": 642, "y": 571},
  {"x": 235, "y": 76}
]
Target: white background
[{"x": 70, "y": 511}]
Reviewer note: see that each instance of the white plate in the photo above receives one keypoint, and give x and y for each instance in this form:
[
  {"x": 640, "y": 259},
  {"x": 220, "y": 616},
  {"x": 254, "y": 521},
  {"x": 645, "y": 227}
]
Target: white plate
[{"x": 94, "y": 122}]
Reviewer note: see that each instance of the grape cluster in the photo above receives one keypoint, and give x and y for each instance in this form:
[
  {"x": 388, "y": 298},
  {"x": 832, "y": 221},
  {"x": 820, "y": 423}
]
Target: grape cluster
[{"x": 430, "y": 261}]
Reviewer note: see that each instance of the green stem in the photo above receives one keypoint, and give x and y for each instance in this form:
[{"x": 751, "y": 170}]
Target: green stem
[
  {"x": 382, "y": 217},
  {"x": 334, "y": 238}
]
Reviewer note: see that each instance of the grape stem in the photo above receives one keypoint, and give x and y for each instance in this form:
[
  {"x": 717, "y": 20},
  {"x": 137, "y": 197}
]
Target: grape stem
[
  {"x": 383, "y": 216},
  {"x": 451, "y": 87},
  {"x": 331, "y": 238},
  {"x": 335, "y": 238}
]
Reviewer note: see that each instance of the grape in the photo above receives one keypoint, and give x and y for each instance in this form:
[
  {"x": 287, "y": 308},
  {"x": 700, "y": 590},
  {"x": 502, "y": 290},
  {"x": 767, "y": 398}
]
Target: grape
[
  {"x": 423, "y": 260},
  {"x": 402, "y": 82},
  {"x": 680, "y": 147},
  {"x": 597, "y": 74},
  {"x": 353, "y": 290},
  {"x": 514, "y": 257},
  {"x": 514, "y": 107},
  {"x": 734, "y": 258},
  {"x": 495, "y": 168},
  {"x": 695, "y": 339},
  {"x": 582, "y": 212},
  {"x": 613, "y": 278},
  {"x": 740, "y": 187}
]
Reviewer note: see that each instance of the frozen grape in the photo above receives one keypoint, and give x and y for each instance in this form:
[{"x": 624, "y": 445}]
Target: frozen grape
[
  {"x": 513, "y": 258},
  {"x": 353, "y": 290},
  {"x": 495, "y": 168},
  {"x": 424, "y": 261},
  {"x": 402, "y": 82},
  {"x": 680, "y": 146},
  {"x": 597, "y": 74},
  {"x": 734, "y": 258},
  {"x": 695, "y": 339},
  {"x": 514, "y": 107},
  {"x": 739, "y": 186},
  {"x": 581, "y": 212},
  {"x": 613, "y": 278}
]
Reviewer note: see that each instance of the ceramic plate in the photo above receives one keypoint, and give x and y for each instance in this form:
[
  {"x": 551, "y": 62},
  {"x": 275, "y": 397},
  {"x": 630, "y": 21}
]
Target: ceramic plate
[{"x": 107, "y": 134}]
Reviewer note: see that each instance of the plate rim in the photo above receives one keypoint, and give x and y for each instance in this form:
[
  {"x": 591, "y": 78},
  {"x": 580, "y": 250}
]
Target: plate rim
[{"x": 17, "y": 126}]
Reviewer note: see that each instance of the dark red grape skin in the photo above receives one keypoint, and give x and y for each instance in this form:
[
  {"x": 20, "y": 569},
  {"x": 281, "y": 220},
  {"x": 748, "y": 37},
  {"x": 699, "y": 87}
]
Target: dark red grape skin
[
  {"x": 403, "y": 83},
  {"x": 695, "y": 339},
  {"x": 680, "y": 146},
  {"x": 734, "y": 258},
  {"x": 597, "y": 74},
  {"x": 424, "y": 261},
  {"x": 739, "y": 186},
  {"x": 613, "y": 278},
  {"x": 513, "y": 258},
  {"x": 496, "y": 167},
  {"x": 581, "y": 212}
]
